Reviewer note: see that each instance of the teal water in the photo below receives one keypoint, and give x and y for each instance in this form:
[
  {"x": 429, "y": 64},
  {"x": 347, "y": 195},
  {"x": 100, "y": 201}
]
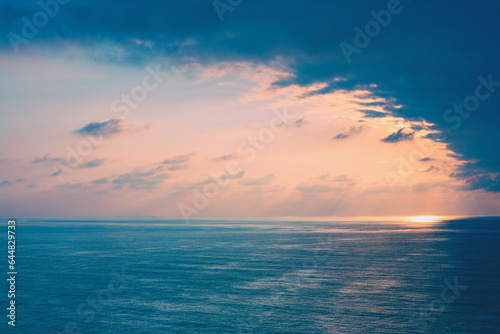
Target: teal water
[{"x": 256, "y": 277}]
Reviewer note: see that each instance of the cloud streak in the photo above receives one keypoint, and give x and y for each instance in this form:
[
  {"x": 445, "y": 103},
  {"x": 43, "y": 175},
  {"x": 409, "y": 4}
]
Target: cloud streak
[
  {"x": 148, "y": 180},
  {"x": 254, "y": 182},
  {"x": 104, "y": 128},
  {"x": 92, "y": 164},
  {"x": 354, "y": 130},
  {"x": 398, "y": 136}
]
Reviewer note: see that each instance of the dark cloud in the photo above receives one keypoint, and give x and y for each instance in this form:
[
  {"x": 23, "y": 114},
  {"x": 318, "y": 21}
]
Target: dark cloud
[
  {"x": 476, "y": 176},
  {"x": 426, "y": 159},
  {"x": 398, "y": 136},
  {"x": 100, "y": 181},
  {"x": 105, "y": 129},
  {"x": 92, "y": 163},
  {"x": 432, "y": 169},
  {"x": 5, "y": 183},
  {"x": 488, "y": 182},
  {"x": 418, "y": 127},
  {"x": 436, "y": 136},
  {"x": 341, "y": 136}
]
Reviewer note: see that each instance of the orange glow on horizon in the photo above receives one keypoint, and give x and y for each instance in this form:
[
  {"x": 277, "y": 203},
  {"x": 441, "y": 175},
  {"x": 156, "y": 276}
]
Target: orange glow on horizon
[{"x": 424, "y": 219}]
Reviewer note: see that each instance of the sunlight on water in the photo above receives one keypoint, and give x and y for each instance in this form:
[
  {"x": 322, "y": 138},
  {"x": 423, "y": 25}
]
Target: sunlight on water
[{"x": 425, "y": 219}]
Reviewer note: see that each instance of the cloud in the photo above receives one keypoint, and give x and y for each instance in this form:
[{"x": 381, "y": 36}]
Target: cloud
[
  {"x": 32, "y": 186},
  {"x": 188, "y": 186},
  {"x": 436, "y": 136},
  {"x": 238, "y": 175},
  {"x": 299, "y": 123},
  {"x": 253, "y": 182},
  {"x": 179, "y": 159},
  {"x": 432, "y": 169},
  {"x": 100, "y": 181},
  {"x": 223, "y": 157},
  {"x": 177, "y": 167},
  {"x": 315, "y": 188},
  {"x": 148, "y": 180},
  {"x": 352, "y": 131},
  {"x": 20, "y": 180},
  {"x": 59, "y": 172},
  {"x": 132, "y": 40},
  {"x": 476, "y": 176},
  {"x": 47, "y": 158},
  {"x": 419, "y": 127},
  {"x": 489, "y": 182},
  {"x": 92, "y": 163},
  {"x": 37, "y": 160},
  {"x": 70, "y": 185},
  {"x": 425, "y": 90},
  {"x": 341, "y": 136},
  {"x": 426, "y": 159},
  {"x": 178, "y": 162},
  {"x": 373, "y": 114},
  {"x": 398, "y": 136},
  {"x": 5, "y": 184},
  {"x": 105, "y": 128}
]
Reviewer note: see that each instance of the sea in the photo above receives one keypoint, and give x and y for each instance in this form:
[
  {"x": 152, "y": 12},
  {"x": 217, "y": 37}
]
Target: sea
[{"x": 254, "y": 276}]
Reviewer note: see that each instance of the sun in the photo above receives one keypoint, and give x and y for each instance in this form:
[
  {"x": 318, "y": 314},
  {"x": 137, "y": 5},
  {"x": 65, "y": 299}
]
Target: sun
[{"x": 424, "y": 219}]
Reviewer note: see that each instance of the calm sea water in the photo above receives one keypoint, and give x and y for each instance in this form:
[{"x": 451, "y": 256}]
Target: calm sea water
[{"x": 256, "y": 277}]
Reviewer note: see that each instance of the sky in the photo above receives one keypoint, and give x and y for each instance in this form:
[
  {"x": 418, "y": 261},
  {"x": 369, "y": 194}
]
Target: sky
[{"x": 238, "y": 108}]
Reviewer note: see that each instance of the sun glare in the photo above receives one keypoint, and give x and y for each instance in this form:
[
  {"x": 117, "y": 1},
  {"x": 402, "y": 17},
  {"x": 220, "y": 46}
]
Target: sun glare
[{"x": 424, "y": 219}]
